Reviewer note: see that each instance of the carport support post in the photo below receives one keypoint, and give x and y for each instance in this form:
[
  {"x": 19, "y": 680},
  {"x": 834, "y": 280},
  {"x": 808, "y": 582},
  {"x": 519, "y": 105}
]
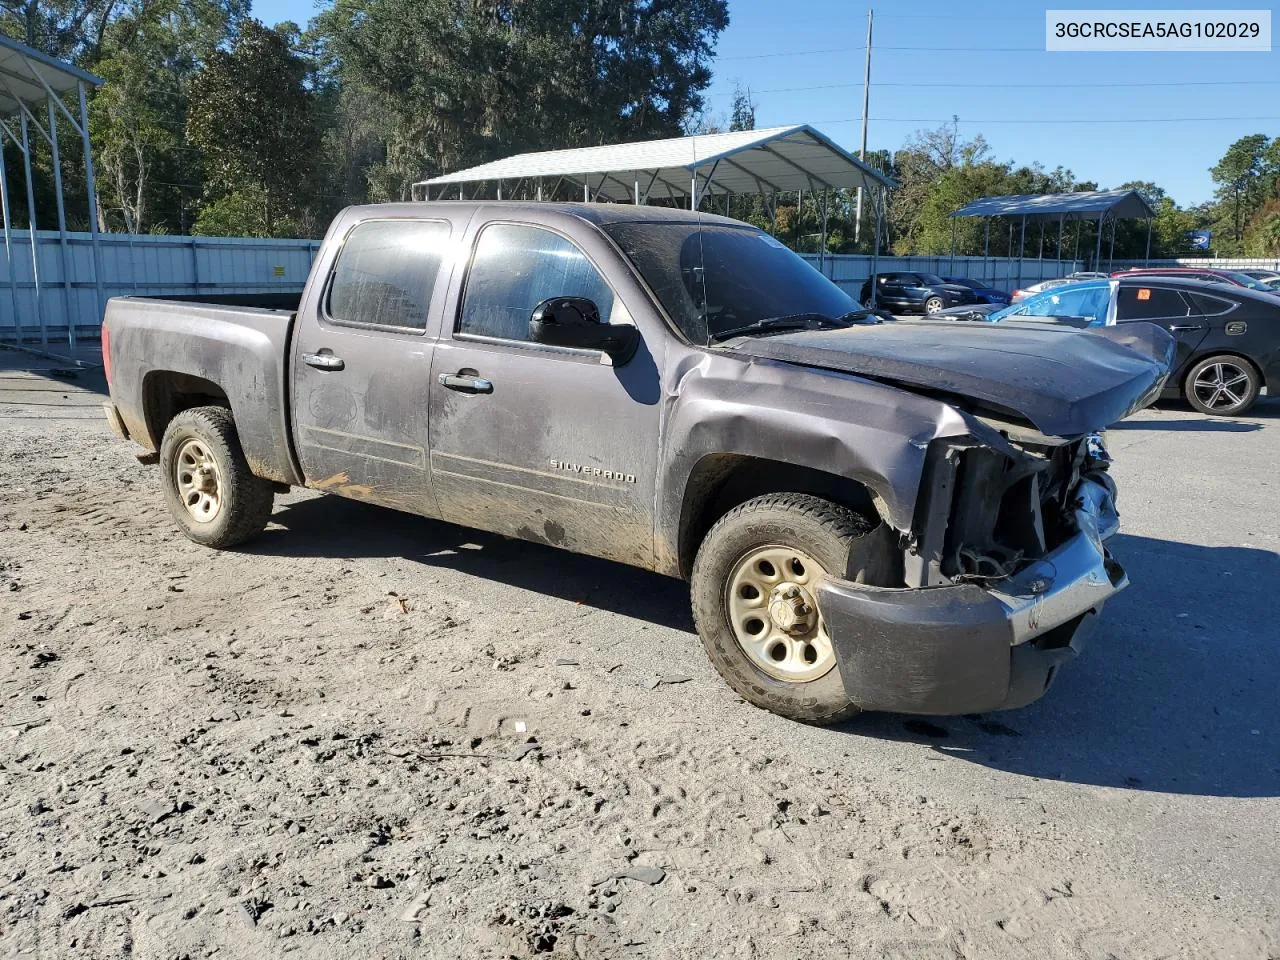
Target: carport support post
[
  {"x": 986, "y": 251},
  {"x": 62, "y": 228},
  {"x": 31, "y": 230},
  {"x": 1111, "y": 254},
  {"x": 91, "y": 186},
  {"x": 1097, "y": 253},
  {"x": 1022, "y": 248},
  {"x": 1059, "y": 241},
  {"x": 8, "y": 245},
  {"x": 953, "y": 247},
  {"x": 1146, "y": 257}
]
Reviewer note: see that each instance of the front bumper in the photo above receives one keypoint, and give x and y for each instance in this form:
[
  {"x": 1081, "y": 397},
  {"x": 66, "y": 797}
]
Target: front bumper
[{"x": 963, "y": 648}]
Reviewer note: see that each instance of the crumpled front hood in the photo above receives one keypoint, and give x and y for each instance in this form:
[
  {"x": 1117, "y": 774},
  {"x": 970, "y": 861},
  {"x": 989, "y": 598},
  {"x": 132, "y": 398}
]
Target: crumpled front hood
[{"x": 1066, "y": 382}]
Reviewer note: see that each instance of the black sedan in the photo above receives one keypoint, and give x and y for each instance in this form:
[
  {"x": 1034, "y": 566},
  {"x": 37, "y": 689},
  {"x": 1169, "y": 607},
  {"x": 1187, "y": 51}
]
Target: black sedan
[{"x": 916, "y": 292}]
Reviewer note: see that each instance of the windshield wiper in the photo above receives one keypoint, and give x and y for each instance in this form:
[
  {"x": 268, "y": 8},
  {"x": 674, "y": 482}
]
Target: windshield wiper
[{"x": 794, "y": 321}]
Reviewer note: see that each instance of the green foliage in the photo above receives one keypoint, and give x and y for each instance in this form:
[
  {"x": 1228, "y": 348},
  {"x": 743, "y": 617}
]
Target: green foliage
[
  {"x": 213, "y": 122},
  {"x": 459, "y": 82},
  {"x": 252, "y": 118}
]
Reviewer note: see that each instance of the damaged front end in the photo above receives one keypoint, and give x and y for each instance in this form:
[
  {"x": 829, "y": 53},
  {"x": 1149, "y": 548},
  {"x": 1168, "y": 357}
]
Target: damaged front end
[{"x": 1005, "y": 570}]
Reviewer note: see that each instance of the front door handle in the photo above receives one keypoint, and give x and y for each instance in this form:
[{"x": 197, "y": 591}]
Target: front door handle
[
  {"x": 465, "y": 383},
  {"x": 323, "y": 361},
  {"x": 1187, "y": 326}
]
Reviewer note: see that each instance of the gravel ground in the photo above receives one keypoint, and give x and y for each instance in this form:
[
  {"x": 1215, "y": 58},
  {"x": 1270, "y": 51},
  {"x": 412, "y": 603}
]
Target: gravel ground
[{"x": 368, "y": 735}]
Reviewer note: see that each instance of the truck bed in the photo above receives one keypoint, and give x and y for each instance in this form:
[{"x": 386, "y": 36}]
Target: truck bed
[{"x": 231, "y": 349}]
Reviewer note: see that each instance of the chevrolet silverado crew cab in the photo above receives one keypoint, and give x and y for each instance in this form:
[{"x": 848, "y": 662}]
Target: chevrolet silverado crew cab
[{"x": 899, "y": 516}]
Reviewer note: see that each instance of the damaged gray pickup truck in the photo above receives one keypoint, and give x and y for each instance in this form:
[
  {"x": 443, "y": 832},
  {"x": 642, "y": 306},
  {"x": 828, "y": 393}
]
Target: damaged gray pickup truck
[{"x": 892, "y": 516}]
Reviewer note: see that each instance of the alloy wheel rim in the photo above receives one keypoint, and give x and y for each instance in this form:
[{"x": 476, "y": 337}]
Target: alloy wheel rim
[
  {"x": 771, "y": 600},
  {"x": 1221, "y": 385},
  {"x": 199, "y": 482},
  {"x": 932, "y": 306}
]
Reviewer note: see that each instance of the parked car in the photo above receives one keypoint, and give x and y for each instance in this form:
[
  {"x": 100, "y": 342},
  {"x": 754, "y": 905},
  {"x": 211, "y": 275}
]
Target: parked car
[
  {"x": 986, "y": 294},
  {"x": 867, "y": 522},
  {"x": 1043, "y": 285},
  {"x": 916, "y": 292},
  {"x": 1228, "y": 337},
  {"x": 1023, "y": 292},
  {"x": 1269, "y": 277},
  {"x": 1232, "y": 278}
]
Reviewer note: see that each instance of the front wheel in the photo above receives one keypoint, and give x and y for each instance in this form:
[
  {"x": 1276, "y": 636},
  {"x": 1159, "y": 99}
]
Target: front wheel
[
  {"x": 755, "y": 589},
  {"x": 1222, "y": 386},
  {"x": 208, "y": 486},
  {"x": 933, "y": 305}
]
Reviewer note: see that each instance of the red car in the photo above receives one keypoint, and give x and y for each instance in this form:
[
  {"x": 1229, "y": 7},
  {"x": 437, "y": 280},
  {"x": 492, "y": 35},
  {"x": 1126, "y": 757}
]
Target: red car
[{"x": 1209, "y": 274}]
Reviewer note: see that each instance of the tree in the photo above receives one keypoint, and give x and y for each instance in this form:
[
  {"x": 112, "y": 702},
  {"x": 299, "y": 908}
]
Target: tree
[
  {"x": 1238, "y": 176},
  {"x": 742, "y": 115},
  {"x": 252, "y": 117},
  {"x": 463, "y": 81}
]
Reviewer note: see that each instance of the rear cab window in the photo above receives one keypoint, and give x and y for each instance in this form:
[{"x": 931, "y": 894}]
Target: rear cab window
[{"x": 386, "y": 273}]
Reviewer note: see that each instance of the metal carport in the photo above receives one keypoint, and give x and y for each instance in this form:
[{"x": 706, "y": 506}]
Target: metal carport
[
  {"x": 679, "y": 170},
  {"x": 1043, "y": 208},
  {"x": 31, "y": 81}
]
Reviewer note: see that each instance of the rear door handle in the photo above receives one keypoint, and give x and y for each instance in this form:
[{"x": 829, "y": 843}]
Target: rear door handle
[
  {"x": 323, "y": 361},
  {"x": 465, "y": 383}
]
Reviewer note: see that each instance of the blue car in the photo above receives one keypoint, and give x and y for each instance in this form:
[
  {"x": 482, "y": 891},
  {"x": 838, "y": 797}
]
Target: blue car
[
  {"x": 1079, "y": 304},
  {"x": 985, "y": 293}
]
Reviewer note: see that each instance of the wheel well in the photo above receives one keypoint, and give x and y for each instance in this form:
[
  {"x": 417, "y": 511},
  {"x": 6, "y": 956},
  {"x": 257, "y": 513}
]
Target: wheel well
[
  {"x": 720, "y": 482},
  {"x": 1191, "y": 365},
  {"x": 165, "y": 394}
]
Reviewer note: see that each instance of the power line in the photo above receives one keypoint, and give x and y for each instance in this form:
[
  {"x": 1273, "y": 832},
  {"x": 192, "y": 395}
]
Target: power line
[
  {"x": 808, "y": 53},
  {"x": 1049, "y": 86},
  {"x": 1078, "y": 120}
]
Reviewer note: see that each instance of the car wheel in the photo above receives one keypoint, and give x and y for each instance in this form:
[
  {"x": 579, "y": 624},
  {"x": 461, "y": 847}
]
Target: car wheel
[
  {"x": 755, "y": 591},
  {"x": 933, "y": 305},
  {"x": 208, "y": 486},
  {"x": 1222, "y": 385}
]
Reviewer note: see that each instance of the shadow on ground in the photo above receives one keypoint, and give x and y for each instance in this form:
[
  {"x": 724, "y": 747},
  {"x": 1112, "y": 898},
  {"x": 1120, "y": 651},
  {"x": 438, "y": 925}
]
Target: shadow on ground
[
  {"x": 1176, "y": 693},
  {"x": 335, "y": 527}
]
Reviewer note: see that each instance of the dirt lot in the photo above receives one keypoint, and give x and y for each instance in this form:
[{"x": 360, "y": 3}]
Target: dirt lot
[{"x": 374, "y": 736}]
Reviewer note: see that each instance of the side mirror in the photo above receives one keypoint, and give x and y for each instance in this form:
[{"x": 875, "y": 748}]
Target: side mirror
[{"x": 575, "y": 322}]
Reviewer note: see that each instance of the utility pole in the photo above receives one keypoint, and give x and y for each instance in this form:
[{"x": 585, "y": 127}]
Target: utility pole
[{"x": 866, "y": 101}]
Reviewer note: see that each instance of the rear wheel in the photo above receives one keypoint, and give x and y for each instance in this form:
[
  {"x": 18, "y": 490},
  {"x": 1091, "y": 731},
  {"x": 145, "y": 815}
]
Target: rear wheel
[
  {"x": 1222, "y": 385},
  {"x": 933, "y": 305},
  {"x": 208, "y": 486},
  {"x": 756, "y": 590}
]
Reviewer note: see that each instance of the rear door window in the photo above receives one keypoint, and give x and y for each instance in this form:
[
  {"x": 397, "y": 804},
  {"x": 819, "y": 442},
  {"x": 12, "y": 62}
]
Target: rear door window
[
  {"x": 386, "y": 273},
  {"x": 1150, "y": 303}
]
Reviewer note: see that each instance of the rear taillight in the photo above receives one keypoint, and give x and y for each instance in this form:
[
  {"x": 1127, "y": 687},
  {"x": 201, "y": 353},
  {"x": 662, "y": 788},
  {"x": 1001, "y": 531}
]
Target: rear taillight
[{"x": 106, "y": 352}]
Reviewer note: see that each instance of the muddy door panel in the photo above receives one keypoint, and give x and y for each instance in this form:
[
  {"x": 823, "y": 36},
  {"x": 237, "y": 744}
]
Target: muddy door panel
[
  {"x": 362, "y": 366},
  {"x": 549, "y": 444}
]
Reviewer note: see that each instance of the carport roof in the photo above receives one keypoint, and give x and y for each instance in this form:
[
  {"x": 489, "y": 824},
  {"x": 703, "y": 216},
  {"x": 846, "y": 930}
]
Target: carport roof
[
  {"x": 1085, "y": 205},
  {"x": 787, "y": 158},
  {"x": 22, "y": 69}
]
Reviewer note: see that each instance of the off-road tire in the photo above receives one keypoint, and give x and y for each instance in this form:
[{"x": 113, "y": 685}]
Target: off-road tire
[
  {"x": 825, "y": 531},
  {"x": 1247, "y": 391},
  {"x": 246, "y": 500}
]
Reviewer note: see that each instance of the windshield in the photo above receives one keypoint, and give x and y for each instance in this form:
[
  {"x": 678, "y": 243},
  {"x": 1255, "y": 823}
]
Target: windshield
[
  {"x": 965, "y": 282},
  {"x": 1247, "y": 281},
  {"x": 928, "y": 279},
  {"x": 713, "y": 277},
  {"x": 1088, "y": 300}
]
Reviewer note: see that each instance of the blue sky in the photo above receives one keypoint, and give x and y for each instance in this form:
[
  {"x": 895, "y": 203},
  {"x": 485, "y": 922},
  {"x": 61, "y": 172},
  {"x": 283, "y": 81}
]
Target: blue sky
[{"x": 996, "y": 76}]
